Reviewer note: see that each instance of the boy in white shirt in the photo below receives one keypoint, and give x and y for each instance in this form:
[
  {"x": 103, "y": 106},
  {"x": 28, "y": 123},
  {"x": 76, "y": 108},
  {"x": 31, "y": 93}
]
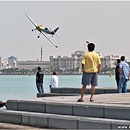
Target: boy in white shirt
[{"x": 54, "y": 81}]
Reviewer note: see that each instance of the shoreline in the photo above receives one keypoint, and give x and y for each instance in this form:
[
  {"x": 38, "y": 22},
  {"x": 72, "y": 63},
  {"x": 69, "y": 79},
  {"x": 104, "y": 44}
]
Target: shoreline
[{"x": 50, "y": 74}]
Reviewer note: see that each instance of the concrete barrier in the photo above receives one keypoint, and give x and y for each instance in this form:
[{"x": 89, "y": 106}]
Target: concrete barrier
[
  {"x": 89, "y": 110},
  {"x": 67, "y": 90},
  {"x": 120, "y": 124},
  {"x": 55, "y": 94},
  {"x": 77, "y": 90},
  {"x": 40, "y": 120},
  {"x": 59, "y": 108},
  {"x": 91, "y": 123},
  {"x": 98, "y": 90},
  {"x": 63, "y": 122},
  {"x": 32, "y": 106},
  {"x": 25, "y": 105},
  {"x": 60, "y": 121},
  {"x": 113, "y": 111},
  {"x": 112, "y": 90},
  {"x": 10, "y": 117},
  {"x": 55, "y": 90},
  {"x": 12, "y": 104}
]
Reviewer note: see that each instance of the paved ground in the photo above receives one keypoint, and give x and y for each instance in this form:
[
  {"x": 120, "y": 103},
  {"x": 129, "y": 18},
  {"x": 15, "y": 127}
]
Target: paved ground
[
  {"x": 18, "y": 127},
  {"x": 123, "y": 98}
]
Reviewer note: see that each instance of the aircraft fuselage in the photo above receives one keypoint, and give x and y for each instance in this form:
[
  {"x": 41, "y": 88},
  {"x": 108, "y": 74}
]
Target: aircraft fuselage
[{"x": 46, "y": 30}]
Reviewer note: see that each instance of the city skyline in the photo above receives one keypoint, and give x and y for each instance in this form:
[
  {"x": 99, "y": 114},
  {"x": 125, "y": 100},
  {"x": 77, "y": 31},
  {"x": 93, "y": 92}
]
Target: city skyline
[
  {"x": 105, "y": 23},
  {"x": 69, "y": 55}
]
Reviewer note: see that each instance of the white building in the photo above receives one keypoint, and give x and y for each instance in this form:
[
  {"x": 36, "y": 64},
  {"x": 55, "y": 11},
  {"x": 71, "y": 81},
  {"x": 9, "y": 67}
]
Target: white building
[
  {"x": 33, "y": 64},
  {"x": 4, "y": 64},
  {"x": 109, "y": 61},
  {"x": 12, "y": 62},
  {"x": 67, "y": 62},
  {"x": 74, "y": 61}
]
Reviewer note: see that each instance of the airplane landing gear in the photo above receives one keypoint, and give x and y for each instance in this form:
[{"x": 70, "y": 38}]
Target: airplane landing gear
[{"x": 39, "y": 35}]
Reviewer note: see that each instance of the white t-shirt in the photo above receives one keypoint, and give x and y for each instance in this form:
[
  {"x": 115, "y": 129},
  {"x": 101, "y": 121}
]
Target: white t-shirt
[{"x": 54, "y": 81}]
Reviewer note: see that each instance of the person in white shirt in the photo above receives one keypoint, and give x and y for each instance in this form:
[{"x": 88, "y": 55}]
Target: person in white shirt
[{"x": 54, "y": 81}]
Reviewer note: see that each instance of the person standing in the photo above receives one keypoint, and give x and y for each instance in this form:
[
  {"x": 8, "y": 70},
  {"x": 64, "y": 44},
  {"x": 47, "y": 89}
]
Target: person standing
[
  {"x": 54, "y": 81},
  {"x": 2, "y": 104},
  {"x": 117, "y": 72},
  {"x": 90, "y": 67},
  {"x": 124, "y": 75},
  {"x": 39, "y": 80}
]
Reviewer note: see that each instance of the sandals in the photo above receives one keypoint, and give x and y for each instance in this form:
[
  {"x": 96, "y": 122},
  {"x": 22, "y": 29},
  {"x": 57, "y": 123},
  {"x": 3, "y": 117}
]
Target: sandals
[
  {"x": 80, "y": 100},
  {"x": 91, "y": 100}
]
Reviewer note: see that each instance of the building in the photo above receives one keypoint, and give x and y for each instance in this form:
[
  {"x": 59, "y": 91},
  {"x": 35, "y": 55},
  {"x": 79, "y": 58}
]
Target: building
[
  {"x": 74, "y": 61},
  {"x": 12, "y": 62},
  {"x": 33, "y": 64},
  {"x": 67, "y": 62},
  {"x": 109, "y": 61},
  {"x": 4, "y": 64}
]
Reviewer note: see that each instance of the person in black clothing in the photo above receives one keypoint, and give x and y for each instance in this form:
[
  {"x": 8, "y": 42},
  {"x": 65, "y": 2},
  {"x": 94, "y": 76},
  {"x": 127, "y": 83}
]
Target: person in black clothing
[
  {"x": 2, "y": 104},
  {"x": 39, "y": 80},
  {"x": 117, "y": 72}
]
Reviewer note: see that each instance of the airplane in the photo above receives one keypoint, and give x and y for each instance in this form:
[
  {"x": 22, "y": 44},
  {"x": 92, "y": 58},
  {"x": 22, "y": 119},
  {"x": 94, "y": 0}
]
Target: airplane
[{"x": 43, "y": 30}]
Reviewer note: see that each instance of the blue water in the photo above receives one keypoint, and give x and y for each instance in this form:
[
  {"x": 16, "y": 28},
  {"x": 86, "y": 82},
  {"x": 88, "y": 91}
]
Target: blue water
[{"x": 24, "y": 86}]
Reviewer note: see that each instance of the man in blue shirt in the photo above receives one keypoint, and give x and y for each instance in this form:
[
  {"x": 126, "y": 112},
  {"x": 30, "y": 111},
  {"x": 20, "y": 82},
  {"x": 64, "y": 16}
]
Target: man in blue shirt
[{"x": 124, "y": 75}]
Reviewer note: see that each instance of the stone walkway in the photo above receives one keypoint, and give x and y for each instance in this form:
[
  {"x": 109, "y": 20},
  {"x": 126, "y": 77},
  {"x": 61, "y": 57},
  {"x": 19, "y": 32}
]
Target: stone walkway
[{"x": 123, "y": 98}]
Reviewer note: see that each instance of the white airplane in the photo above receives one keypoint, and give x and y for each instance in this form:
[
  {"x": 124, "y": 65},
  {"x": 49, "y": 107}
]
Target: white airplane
[{"x": 43, "y": 30}]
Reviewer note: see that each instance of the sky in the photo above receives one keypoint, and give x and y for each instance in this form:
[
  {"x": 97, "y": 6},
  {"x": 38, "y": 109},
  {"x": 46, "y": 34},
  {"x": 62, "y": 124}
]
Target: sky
[{"x": 105, "y": 23}]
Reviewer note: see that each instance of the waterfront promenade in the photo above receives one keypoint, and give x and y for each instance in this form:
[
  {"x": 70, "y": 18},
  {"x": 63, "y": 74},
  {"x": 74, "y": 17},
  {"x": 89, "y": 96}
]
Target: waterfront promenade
[{"x": 108, "y": 111}]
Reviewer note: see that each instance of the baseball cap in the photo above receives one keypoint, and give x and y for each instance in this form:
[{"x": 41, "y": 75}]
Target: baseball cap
[{"x": 54, "y": 73}]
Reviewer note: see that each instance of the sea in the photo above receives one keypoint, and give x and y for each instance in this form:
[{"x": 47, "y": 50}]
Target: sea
[{"x": 24, "y": 86}]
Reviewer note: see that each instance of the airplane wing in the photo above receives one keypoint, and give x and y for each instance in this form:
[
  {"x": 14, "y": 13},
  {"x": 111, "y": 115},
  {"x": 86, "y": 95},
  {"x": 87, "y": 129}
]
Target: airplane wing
[
  {"x": 49, "y": 39},
  {"x": 31, "y": 20},
  {"x": 40, "y": 31}
]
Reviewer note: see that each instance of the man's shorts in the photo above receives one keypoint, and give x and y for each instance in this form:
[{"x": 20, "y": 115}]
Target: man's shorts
[{"x": 90, "y": 78}]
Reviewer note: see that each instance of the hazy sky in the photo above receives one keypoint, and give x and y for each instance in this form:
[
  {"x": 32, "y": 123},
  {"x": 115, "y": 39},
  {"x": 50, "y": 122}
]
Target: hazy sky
[{"x": 107, "y": 24}]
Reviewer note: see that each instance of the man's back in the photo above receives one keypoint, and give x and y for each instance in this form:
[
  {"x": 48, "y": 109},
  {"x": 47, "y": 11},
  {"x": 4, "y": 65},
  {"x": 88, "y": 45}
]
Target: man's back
[
  {"x": 91, "y": 60},
  {"x": 40, "y": 77},
  {"x": 125, "y": 69},
  {"x": 54, "y": 81}
]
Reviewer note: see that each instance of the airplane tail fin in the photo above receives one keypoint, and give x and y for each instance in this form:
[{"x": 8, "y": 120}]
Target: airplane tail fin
[{"x": 54, "y": 31}]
